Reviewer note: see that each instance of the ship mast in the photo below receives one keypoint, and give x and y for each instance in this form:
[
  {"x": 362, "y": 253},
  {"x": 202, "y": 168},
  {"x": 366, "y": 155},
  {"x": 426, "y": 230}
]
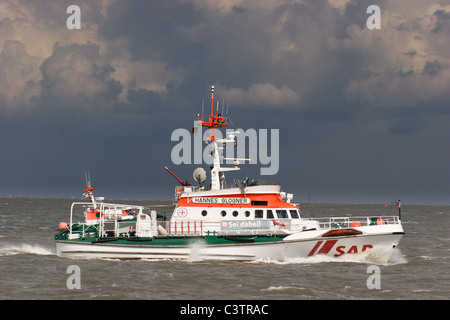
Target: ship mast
[
  {"x": 89, "y": 188},
  {"x": 216, "y": 121}
]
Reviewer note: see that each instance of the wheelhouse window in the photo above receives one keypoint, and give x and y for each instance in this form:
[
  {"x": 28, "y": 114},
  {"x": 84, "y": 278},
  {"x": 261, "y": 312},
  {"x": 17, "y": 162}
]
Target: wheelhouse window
[
  {"x": 294, "y": 214},
  {"x": 259, "y": 214},
  {"x": 282, "y": 214},
  {"x": 269, "y": 214}
]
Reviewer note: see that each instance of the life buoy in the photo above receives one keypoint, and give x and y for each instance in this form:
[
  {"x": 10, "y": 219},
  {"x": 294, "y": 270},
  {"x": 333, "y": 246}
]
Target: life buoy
[{"x": 62, "y": 226}]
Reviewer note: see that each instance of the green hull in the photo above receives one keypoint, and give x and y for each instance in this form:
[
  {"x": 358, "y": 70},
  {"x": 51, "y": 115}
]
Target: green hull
[{"x": 174, "y": 241}]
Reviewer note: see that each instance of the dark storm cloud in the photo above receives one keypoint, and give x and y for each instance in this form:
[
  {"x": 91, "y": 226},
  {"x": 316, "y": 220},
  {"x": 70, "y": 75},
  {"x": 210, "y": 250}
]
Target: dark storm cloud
[
  {"x": 359, "y": 111},
  {"x": 143, "y": 101},
  {"x": 432, "y": 68},
  {"x": 443, "y": 21},
  {"x": 74, "y": 76}
]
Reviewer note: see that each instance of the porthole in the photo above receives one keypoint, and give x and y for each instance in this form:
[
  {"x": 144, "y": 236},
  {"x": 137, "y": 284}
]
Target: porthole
[
  {"x": 247, "y": 213},
  {"x": 223, "y": 213},
  {"x": 204, "y": 213},
  {"x": 235, "y": 213}
]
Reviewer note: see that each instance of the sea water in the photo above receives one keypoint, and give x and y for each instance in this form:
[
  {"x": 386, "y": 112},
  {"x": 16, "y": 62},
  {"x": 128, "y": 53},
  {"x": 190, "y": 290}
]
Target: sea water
[{"x": 417, "y": 269}]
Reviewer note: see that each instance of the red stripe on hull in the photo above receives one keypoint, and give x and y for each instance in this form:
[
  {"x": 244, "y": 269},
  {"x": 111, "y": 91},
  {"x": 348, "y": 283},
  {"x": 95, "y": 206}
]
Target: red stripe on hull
[
  {"x": 315, "y": 248},
  {"x": 327, "y": 247}
]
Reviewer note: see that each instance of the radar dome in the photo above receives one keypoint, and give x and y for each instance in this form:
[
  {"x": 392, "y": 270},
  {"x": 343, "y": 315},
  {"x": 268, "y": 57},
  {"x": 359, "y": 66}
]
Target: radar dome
[{"x": 199, "y": 175}]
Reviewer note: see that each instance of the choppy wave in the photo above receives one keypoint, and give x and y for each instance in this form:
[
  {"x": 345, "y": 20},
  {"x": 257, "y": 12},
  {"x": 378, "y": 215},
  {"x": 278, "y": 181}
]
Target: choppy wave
[
  {"x": 382, "y": 257},
  {"x": 290, "y": 289},
  {"x": 8, "y": 250}
]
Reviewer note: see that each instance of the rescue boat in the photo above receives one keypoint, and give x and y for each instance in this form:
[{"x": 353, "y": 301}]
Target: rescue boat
[{"x": 238, "y": 221}]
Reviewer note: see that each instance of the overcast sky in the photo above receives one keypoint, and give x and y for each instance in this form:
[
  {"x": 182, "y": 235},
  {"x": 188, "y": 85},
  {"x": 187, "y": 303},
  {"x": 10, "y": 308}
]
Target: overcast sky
[{"x": 363, "y": 114}]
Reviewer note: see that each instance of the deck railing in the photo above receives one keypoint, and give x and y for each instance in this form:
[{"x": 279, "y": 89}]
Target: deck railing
[
  {"x": 349, "y": 222},
  {"x": 182, "y": 227},
  {"x": 109, "y": 215}
]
